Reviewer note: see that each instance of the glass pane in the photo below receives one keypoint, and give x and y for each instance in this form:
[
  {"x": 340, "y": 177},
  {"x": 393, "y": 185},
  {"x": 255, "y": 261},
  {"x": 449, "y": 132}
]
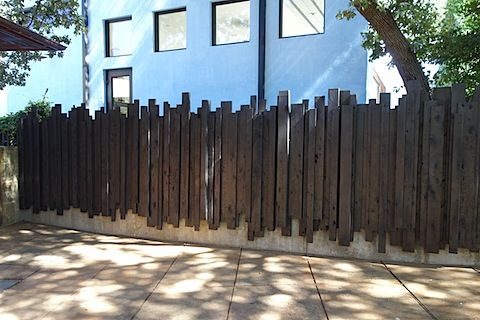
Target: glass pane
[
  {"x": 172, "y": 31},
  {"x": 121, "y": 93},
  {"x": 232, "y": 22},
  {"x": 120, "y": 36},
  {"x": 302, "y": 17}
]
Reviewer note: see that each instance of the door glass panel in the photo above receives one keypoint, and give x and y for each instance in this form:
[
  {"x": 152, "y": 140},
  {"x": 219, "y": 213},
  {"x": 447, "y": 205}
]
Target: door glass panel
[{"x": 121, "y": 93}]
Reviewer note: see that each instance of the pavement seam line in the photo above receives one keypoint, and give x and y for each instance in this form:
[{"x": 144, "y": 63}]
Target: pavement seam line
[
  {"x": 153, "y": 290},
  {"x": 318, "y": 290},
  {"x": 234, "y": 283},
  {"x": 424, "y": 307}
]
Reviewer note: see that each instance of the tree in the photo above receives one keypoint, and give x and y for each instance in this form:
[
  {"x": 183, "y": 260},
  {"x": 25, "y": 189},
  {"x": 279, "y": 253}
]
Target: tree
[
  {"x": 413, "y": 32},
  {"x": 456, "y": 51},
  {"x": 50, "y": 18},
  {"x": 401, "y": 28}
]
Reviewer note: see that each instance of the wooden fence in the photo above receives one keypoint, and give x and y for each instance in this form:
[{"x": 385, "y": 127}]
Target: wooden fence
[{"x": 411, "y": 173}]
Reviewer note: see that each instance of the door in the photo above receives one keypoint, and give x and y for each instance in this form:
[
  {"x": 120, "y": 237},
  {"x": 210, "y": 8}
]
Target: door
[{"x": 119, "y": 89}]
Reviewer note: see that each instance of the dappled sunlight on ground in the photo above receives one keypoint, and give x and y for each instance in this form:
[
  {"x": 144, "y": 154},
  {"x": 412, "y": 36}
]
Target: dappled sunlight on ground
[{"x": 54, "y": 273}]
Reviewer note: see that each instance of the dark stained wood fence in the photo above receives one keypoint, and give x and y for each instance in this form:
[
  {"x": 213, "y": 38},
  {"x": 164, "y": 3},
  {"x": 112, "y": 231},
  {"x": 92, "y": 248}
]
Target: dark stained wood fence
[{"x": 408, "y": 176}]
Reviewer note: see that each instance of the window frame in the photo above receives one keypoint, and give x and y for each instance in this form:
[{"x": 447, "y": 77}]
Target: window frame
[
  {"x": 106, "y": 28},
  {"x": 115, "y": 73},
  {"x": 215, "y": 4},
  {"x": 156, "y": 47},
  {"x": 280, "y": 24}
]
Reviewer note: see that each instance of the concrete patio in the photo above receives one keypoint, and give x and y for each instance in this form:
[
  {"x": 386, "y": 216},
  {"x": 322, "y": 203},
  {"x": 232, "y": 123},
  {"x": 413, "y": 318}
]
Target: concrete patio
[{"x": 53, "y": 273}]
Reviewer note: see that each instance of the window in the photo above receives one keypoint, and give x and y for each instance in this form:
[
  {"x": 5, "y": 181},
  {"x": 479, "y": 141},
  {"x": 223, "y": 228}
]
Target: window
[
  {"x": 118, "y": 37},
  {"x": 119, "y": 89},
  {"x": 231, "y": 22},
  {"x": 171, "y": 30},
  {"x": 301, "y": 17}
]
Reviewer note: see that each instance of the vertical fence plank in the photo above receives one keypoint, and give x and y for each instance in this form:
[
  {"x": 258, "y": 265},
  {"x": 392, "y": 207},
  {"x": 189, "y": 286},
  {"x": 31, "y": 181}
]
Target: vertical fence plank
[
  {"x": 295, "y": 170},
  {"x": 435, "y": 175},
  {"x": 166, "y": 160},
  {"x": 36, "y": 164},
  {"x": 346, "y": 165},
  {"x": 283, "y": 219},
  {"x": 204, "y": 111},
  {"x": 359, "y": 173},
  {"x": 174, "y": 177},
  {"x": 211, "y": 169},
  {"x": 333, "y": 133},
  {"x": 105, "y": 162},
  {"x": 194, "y": 192},
  {"x": 217, "y": 162},
  {"x": 44, "y": 164},
  {"x": 320, "y": 222},
  {"x": 255, "y": 223},
  {"x": 143, "y": 165},
  {"x": 229, "y": 137},
  {"x": 123, "y": 166},
  {"x": 268, "y": 168},
  {"x": 309, "y": 170},
  {"x": 154, "y": 164},
  {"x": 384, "y": 213},
  {"x": 184, "y": 155}
]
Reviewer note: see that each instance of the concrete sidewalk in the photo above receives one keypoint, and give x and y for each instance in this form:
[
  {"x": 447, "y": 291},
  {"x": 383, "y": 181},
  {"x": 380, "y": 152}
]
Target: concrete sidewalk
[{"x": 53, "y": 273}]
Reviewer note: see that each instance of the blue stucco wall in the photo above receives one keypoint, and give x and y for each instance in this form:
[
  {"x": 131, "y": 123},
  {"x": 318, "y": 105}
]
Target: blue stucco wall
[
  {"x": 310, "y": 65},
  {"x": 215, "y": 73},
  {"x": 307, "y": 65}
]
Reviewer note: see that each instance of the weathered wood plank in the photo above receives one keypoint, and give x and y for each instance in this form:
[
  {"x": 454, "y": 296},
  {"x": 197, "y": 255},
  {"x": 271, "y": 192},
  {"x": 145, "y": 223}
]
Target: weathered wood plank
[
  {"x": 36, "y": 187},
  {"x": 203, "y": 113},
  {"x": 309, "y": 170},
  {"x": 319, "y": 220},
  {"x": 384, "y": 213},
  {"x": 436, "y": 177},
  {"x": 194, "y": 192},
  {"x": 166, "y": 160},
  {"x": 283, "y": 219},
  {"x": 123, "y": 166},
  {"x": 89, "y": 165},
  {"x": 217, "y": 163},
  {"x": 333, "y": 136},
  {"x": 161, "y": 164},
  {"x": 295, "y": 170},
  {"x": 154, "y": 165},
  {"x": 268, "y": 168},
  {"x": 211, "y": 169},
  {"x": 143, "y": 165},
  {"x": 105, "y": 162},
  {"x": 174, "y": 176},
  {"x": 255, "y": 223},
  {"x": 44, "y": 163},
  {"x": 184, "y": 155},
  {"x": 346, "y": 166},
  {"x": 359, "y": 173},
  {"x": 133, "y": 168}
]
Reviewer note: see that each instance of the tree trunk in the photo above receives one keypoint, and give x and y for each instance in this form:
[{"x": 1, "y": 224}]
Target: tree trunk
[{"x": 396, "y": 44}]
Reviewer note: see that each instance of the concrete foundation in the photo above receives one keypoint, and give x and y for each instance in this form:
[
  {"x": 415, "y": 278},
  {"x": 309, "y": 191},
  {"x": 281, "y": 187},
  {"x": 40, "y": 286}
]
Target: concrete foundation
[{"x": 136, "y": 226}]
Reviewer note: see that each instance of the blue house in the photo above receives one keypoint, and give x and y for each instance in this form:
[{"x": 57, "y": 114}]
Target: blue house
[{"x": 216, "y": 50}]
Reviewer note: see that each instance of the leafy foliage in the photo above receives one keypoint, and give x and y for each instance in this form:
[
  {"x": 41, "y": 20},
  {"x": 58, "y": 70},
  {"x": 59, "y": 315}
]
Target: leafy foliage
[
  {"x": 9, "y": 123},
  {"x": 50, "y": 18},
  {"x": 451, "y": 41},
  {"x": 457, "y": 49}
]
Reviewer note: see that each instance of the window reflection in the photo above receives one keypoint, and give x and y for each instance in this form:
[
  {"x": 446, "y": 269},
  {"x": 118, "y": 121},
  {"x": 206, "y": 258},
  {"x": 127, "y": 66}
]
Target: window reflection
[
  {"x": 302, "y": 17},
  {"x": 172, "y": 30},
  {"x": 232, "y": 22},
  {"x": 119, "y": 38}
]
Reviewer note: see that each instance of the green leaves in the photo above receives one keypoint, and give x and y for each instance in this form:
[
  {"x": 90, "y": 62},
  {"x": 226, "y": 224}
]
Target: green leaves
[
  {"x": 50, "y": 18},
  {"x": 451, "y": 41},
  {"x": 9, "y": 123}
]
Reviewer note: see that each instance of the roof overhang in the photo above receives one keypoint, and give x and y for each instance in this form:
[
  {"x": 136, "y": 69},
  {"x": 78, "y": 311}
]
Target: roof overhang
[{"x": 14, "y": 37}]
